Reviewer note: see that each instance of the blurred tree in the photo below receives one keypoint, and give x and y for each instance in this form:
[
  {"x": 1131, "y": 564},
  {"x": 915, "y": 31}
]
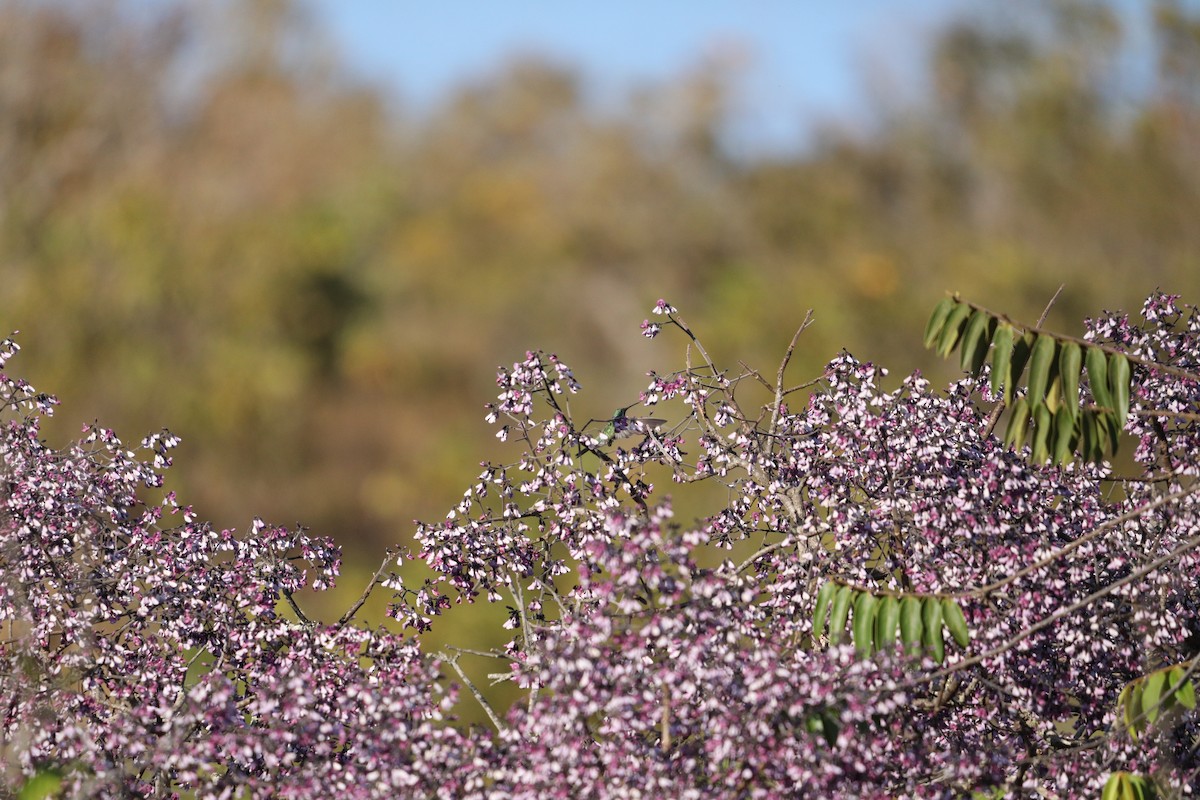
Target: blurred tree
[{"x": 214, "y": 228}]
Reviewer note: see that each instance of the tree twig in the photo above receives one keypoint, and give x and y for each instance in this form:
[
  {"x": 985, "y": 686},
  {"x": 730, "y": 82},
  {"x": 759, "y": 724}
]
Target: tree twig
[
  {"x": 487, "y": 707},
  {"x": 371, "y": 584}
]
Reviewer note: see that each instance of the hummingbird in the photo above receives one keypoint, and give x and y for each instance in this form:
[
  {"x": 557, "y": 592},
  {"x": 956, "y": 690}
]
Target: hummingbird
[{"x": 620, "y": 426}]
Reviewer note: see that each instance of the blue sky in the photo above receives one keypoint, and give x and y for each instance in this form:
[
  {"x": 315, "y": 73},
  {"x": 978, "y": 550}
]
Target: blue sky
[{"x": 807, "y": 61}]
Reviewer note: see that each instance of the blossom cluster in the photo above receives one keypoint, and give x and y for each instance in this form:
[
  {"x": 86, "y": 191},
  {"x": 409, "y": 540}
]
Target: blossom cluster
[{"x": 147, "y": 654}]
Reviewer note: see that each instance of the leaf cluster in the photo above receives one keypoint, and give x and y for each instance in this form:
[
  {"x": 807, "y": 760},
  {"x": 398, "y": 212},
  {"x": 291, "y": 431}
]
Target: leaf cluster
[
  {"x": 1048, "y": 413},
  {"x": 878, "y": 618},
  {"x": 1148, "y": 697}
]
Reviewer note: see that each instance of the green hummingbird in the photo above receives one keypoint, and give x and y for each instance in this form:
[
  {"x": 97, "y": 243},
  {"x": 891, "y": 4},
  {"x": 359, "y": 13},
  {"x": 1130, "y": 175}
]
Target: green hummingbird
[{"x": 621, "y": 426}]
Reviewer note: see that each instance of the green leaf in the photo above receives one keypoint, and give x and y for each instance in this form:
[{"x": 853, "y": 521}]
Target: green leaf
[
  {"x": 1097, "y": 372},
  {"x": 1113, "y": 786},
  {"x": 1070, "y": 358},
  {"x": 1065, "y": 436},
  {"x": 954, "y": 325},
  {"x": 1018, "y": 424},
  {"x": 1118, "y": 385},
  {"x": 46, "y": 783},
  {"x": 1185, "y": 695},
  {"x": 1142, "y": 788},
  {"x": 1002, "y": 345},
  {"x": 887, "y": 623},
  {"x": 910, "y": 625},
  {"x": 837, "y": 616},
  {"x": 1054, "y": 393},
  {"x": 1131, "y": 709},
  {"x": 1123, "y": 704},
  {"x": 994, "y": 794},
  {"x": 956, "y": 623},
  {"x": 1022, "y": 350},
  {"x": 864, "y": 624},
  {"x": 937, "y": 321},
  {"x": 824, "y": 596},
  {"x": 1111, "y": 429},
  {"x": 975, "y": 341},
  {"x": 1041, "y": 366},
  {"x": 931, "y": 619},
  {"x": 1043, "y": 423},
  {"x": 1091, "y": 445},
  {"x": 1152, "y": 695},
  {"x": 823, "y": 723}
]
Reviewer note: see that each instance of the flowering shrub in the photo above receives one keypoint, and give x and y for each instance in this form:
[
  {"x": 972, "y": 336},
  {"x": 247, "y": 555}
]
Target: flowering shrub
[{"x": 892, "y": 603}]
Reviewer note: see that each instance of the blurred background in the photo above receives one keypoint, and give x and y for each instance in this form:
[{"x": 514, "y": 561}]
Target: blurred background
[{"x": 303, "y": 235}]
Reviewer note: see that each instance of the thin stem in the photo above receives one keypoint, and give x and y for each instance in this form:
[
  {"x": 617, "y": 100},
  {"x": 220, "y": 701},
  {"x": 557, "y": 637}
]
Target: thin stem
[
  {"x": 1161, "y": 412},
  {"x": 296, "y": 608},
  {"x": 371, "y": 584},
  {"x": 679, "y": 323},
  {"x": 487, "y": 707},
  {"x": 787, "y": 357},
  {"x": 481, "y": 653},
  {"x": 519, "y": 600},
  {"x": 1050, "y": 305}
]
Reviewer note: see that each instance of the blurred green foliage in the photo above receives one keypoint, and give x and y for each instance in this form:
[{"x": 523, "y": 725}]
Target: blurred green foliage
[{"x": 206, "y": 224}]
